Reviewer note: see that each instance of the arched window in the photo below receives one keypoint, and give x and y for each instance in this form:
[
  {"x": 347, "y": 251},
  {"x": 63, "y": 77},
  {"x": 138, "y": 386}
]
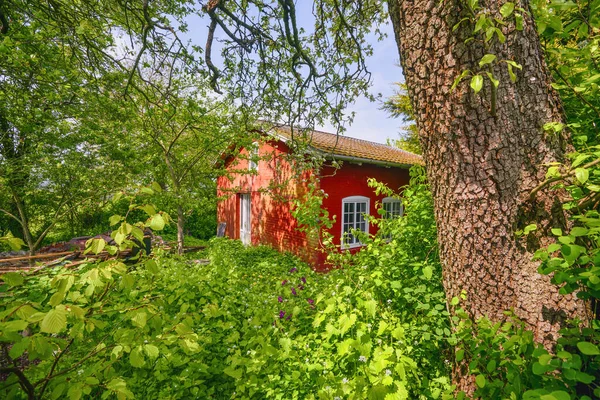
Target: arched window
[
  {"x": 354, "y": 212},
  {"x": 393, "y": 207}
]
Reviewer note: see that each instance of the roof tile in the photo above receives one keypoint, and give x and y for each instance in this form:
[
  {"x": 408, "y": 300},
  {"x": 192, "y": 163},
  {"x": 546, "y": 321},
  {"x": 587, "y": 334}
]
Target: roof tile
[{"x": 351, "y": 147}]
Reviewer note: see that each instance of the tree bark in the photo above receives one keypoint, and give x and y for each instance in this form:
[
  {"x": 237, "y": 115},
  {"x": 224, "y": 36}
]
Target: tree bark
[
  {"x": 27, "y": 236},
  {"x": 180, "y": 222},
  {"x": 482, "y": 166}
]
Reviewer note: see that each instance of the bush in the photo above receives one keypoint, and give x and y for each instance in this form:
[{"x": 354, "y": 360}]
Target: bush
[{"x": 252, "y": 323}]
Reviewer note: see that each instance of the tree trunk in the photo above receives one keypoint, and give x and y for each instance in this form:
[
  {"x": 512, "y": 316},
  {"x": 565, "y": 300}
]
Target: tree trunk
[
  {"x": 27, "y": 236},
  {"x": 482, "y": 165},
  {"x": 180, "y": 222}
]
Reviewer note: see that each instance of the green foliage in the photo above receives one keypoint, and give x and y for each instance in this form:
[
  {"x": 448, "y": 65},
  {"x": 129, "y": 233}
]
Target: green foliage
[
  {"x": 14, "y": 243},
  {"x": 251, "y": 322},
  {"x": 503, "y": 358},
  {"x": 399, "y": 106}
]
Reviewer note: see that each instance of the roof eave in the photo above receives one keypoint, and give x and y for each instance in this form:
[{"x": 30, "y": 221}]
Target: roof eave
[
  {"x": 353, "y": 159},
  {"x": 361, "y": 160}
]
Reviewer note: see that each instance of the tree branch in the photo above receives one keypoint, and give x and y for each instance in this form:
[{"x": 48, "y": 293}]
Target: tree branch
[
  {"x": 3, "y": 19},
  {"x": 25, "y": 383},
  {"x": 56, "y": 360},
  {"x": 215, "y": 73},
  {"x": 560, "y": 178}
]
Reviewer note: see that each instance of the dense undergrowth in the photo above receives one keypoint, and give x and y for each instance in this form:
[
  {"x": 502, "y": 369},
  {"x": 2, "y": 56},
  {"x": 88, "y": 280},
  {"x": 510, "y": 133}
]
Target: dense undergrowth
[{"x": 252, "y": 323}]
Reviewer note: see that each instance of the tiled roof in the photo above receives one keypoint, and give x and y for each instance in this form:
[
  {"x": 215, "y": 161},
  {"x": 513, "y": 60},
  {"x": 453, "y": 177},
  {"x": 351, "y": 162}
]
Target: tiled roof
[{"x": 350, "y": 147}]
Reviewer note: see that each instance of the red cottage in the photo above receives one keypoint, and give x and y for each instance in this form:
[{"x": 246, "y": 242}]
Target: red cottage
[{"x": 255, "y": 197}]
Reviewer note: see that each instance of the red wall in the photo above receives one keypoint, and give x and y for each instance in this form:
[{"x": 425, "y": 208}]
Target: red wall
[
  {"x": 351, "y": 180},
  {"x": 272, "y": 190},
  {"x": 271, "y": 219}
]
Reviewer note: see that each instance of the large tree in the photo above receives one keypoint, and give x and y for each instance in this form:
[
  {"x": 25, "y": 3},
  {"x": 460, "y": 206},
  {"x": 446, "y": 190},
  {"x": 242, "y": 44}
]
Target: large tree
[
  {"x": 182, "y": 133},
  {"x": 487, "y": 153},
  {"x": 484, "y": 143}
]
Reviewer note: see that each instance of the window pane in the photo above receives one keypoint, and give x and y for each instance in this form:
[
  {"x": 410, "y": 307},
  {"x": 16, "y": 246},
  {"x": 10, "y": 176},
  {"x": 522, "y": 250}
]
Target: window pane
[
  {"x": 362, "y": 226},
  {"x": 351, "y": 207}
]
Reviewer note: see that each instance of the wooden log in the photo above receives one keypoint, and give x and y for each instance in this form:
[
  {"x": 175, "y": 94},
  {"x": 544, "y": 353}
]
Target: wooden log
[{"x": 38, "y": 256}]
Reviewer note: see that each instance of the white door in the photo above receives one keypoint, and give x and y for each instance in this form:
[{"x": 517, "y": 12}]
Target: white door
[{"x": 245, "y": 218}]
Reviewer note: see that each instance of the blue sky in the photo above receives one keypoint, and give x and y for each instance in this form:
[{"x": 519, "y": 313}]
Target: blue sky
[{"x": 370, "y": 123}]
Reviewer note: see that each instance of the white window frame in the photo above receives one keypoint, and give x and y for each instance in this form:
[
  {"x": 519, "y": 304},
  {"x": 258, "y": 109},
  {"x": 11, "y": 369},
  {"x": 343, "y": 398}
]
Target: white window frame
[
  {"x": 354, "y": 200},
  {"x": 253, "y": 153},
  {"x": 391, "y": 201}
]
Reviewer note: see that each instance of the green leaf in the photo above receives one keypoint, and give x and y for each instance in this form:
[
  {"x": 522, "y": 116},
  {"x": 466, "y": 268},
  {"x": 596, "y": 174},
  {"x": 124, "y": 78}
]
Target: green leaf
[
  {"x": 556, "y": 231},
  {"x": 157, "y": 222},
  {"x": 427, "y": 272},
  {"x": 346, "y": 322},
  {"x": 458, "y": 79},
  {"x": 147, "y": 190},
  {"x": 75, "y": 392},
  {"x": 119, "y": 386},
  {"x": 233, "y": 372},
  {"x": 457, "y": 25},
  {"x": 14, "y": 326},
  {"x": 579, "y": 231},
  {"x": 529, "y": 228},
  {"x": 371, "y": 307},
  {"x": 481, "y": 22},
  {"x": 500, "y": 35},
  {"x": 151, "y": 350},
  {"x": 507, "y": 9},
  {"x": 494, "y": 81},
  {"x": 152, "y": 266},
  {"x": 487, "y": 59},
  {"x": 587, "y": 348},
  {"x": 119, "y": 237},
  {"x": 115, "y": 219},
  {"x": 518, "y": 22},
  {"x": 18, "y": 348},
  {"x": 149, "y": 209},
  {"x": 580, "y": 159},
  {"x": 12, "y": 278},
  {"x": 95, "y": 245},
  {"x": 582, "y": 175},
  {"x": 136, "y": 358},
  {"x": 584, "y": 378},
  {"x": 460, "y": 354},
  {"x": 90, "y": 380},
  {"x": 343, "y": 348},
  {"x": 14, "y": 243},
  {"x": 54, "y": 321},
  {"x": 137, "y": 233},
  {"x": 511, "y": 64},
  {"x": 139, "y": 319},
  {"x": 480, "y": 380},
  {"x": 477, "y": 83},
  {"x": 156, "y": 187},
  {"x": 561, "y": 395},
  {"x": 57, "y": 298}
]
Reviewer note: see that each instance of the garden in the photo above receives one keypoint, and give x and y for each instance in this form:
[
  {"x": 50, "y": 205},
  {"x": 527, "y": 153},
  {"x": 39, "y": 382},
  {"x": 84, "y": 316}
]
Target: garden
[
  {"x": 117, "y": 118},
  {"x": 252, "y": 323}
]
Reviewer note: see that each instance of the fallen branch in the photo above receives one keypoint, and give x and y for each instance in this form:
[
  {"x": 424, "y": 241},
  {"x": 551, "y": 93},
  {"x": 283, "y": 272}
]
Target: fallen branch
[{"x": 38, "y": 256}]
